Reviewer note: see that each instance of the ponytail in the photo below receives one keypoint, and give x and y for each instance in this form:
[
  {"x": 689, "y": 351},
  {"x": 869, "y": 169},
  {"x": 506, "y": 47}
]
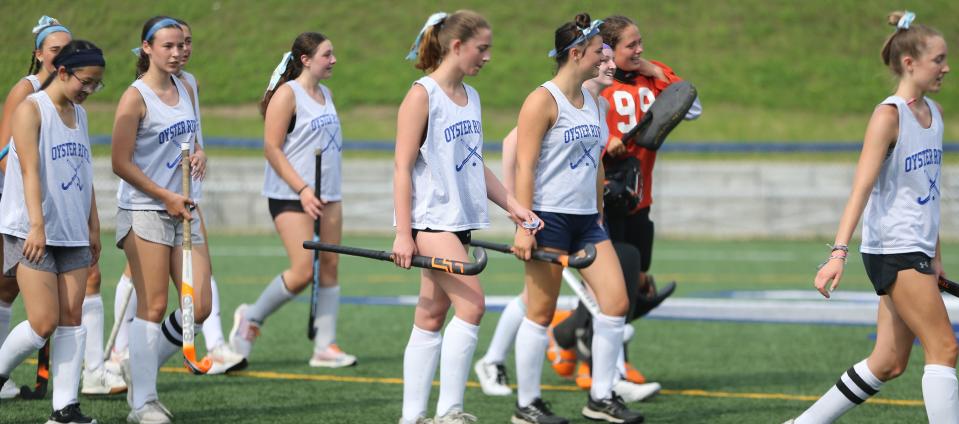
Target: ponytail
[{"x": 291, "y": 65}]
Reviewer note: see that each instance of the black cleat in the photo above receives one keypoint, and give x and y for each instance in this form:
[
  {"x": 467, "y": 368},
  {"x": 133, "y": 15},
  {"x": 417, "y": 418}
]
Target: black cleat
[
  {"x": 70, "y": 414},
  {"x": 611, "y": 410},
  {"x": 536, "y": 413}
]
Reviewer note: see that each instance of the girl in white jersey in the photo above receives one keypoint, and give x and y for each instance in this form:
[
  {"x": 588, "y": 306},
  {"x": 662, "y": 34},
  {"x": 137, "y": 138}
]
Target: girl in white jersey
[
  {"x": 897, "y": 184},
  {"x": 559, "y": 174},
  {"x": 49, "y": 221},
  {"x": 300, "y": 118},
  {"x": 155, "y": 115},
  {"x": 440, "y": 187}
]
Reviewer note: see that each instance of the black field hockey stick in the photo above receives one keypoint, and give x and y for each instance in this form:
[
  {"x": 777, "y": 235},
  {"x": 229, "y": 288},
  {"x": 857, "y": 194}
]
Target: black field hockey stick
[
  {"x": 39, "y": 390},
  {"x": 427, "y": 262},
  {"x": 949, "y": 286},
  {"x": 315, "y": 287},
  {"x": 541, "y": 255}
]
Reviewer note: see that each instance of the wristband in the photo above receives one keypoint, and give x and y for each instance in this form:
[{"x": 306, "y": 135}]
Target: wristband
[{"x": 302, "y": 188}]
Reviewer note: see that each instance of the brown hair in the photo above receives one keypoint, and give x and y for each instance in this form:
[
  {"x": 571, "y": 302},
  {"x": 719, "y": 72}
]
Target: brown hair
[
  {"x": 461, "y": 25},
  {"x": 566, "y": 34},
  {"x": 143, "y": 61},
  {"x": 612, "y": 28},
  {"x": 904, "y": 42},
  {"x": 305, "y": 44}
]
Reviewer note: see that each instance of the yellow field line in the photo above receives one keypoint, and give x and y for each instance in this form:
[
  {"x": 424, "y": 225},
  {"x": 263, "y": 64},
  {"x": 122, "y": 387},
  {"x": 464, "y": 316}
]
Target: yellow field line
[{"x": 270, "y": 375}]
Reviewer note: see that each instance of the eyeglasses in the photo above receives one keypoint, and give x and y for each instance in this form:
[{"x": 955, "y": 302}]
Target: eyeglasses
[{"x": 94, "y": 86}]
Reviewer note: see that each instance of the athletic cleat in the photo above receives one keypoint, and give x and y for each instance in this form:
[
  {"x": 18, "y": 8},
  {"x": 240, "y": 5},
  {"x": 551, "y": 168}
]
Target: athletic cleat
[
  {"x": 790, "y": 421},
  {"x": 631, "y": 392},
  {"x": 225, "y": 360},
  {"x": 244, "y": 332},
  {"x": 584, "y": 377},
  {"x": 9, "y": 390},
  {"x": 537, "y": 412},
  {"x": 152, "y": 413},
  {"x": 70, "y": 414},
  {"x": 633, "y": 375},
  {"x": 332, "y": 357},
  {"x": 492, "y": 378},
  {"x": 102, "y": 382},
  {"x": 455, "y": 417},
  {"x": 611, "y": 410},
  {"x": 419, "y": 420}
]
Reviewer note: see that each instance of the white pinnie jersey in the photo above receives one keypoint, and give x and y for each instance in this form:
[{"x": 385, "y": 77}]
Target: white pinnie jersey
[
  {"x": 449, "y": 177},
  {"x": 35, "y": 83},
  {"x": 157, "y": 149},
  {"x": 66, "y": 180},
  {"x": 196, "y": 186},
  {"x": 569, "y": 157},
  {"x": 902, "y": 214},
  {"x": 317, "y": 126}
]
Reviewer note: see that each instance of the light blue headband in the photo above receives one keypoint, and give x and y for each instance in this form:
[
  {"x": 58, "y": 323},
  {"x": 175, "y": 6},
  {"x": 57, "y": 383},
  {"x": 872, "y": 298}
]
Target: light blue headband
[
  {"x": 906, "y": 20},
  {"x": 278, "y": 72},
  {"x": 433, "y": 20},
  {"x": 585, "y": 35},
  {"x": 162, "y": 23},
  {"x": 46, "y": 26}
]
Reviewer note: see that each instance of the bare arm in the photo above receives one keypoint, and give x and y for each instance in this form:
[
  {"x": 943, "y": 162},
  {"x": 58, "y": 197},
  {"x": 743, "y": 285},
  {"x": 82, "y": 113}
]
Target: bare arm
[
  {"x": 509, "y": 161},
  {"x": 410, "y": 127},
  {"x": 532, "y": 126},
  {"x": 26, "y": 130},
  {"x": 19, "y": 92},
  {"x": 94, "y": 224}
]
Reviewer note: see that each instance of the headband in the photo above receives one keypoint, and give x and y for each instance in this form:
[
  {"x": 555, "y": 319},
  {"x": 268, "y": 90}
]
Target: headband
[
  {"x": 80, "y": 58},
  {"x": 278, "y": 72},
  {"x": 906, "y": 20},
  {"x": 585, "y": 34},
  {"x": 162, "y": 23},
  {"x": 433, "y": 20},
  {"x": 46, "y": 26}
]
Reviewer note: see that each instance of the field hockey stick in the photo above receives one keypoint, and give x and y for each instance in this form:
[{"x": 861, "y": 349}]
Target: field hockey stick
[
  {"x": 542, "y": 255},
  {"x": 579, "y": 287},
  {"x": 39, "y": 390},
  {"x": 117, "y": 321},
  {"x": 315, "y": 290},
  {"x": 186, "y": 281},
  {"x": 427, "y": 262},
  {"x": 949, "y": 286}
]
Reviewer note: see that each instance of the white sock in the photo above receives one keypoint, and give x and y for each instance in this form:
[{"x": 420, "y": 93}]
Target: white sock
[
  {"x": 505, "y": 332},
  {"x": 529, "y": 361},
  {"x": 66, "y": 356},
  {"x": 172, "y": 340},
  {"x": 328, "y": 307},
  {"x": 459, "y": 342},
  {"x": 273, "y": 297},
  {"x": 419, "y": 364},
  {"x": 212, "y": 327},
  {"x": 124, "y": 286},
  {"x": 6, "y": 313},
  {"x": 21, "y": 343},
  {"x": 854, "y": 386},
  {"x": 144, "y": 338},
  {"x": 607, "y": 345},
  {"x": 621, "y": 363},
  {"x": 92, "y": 321},
  {"x": 940, "y": 391}
]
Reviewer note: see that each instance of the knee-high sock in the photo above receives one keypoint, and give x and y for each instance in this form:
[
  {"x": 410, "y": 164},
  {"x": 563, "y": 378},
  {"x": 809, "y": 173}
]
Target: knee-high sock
[
  {"x": 505, "y": 332},
  {"x": 6, "y": 313},
  {"x": 854, "y": 386},
  {"x": 92, "y": 322},
  {"x": 940, "y": 392},
  {"x": 565, "y": 332},
  {"x": 529, "y": 361},
  {"x": 459, "y": 343},
  {"x": 419, "y": 365},
  {"x": 124, "y": 286},
  {"x": 273, "y": 297},
  {"x": 607, "y": 345},
  {"x": 172, "y": 340},
  {"x": 20, "y": 343},
  {"x": 144, "y": 339},
  {"x": 212, "y": 327},
  {"x": 66, "y": 359},
  {"x": 328, "y": 307}
]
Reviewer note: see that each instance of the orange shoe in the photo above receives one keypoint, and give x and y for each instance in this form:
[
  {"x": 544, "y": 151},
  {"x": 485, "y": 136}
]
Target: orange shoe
[
  {"x": 633, "y": 375},
  {"x": 562, "y": 360},
  {"x": 584, "y": 380}
]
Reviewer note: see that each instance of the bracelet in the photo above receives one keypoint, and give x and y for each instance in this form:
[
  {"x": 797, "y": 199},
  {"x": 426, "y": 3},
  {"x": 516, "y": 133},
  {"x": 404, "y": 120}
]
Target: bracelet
[
  {"x": 841, "y": 247},
  {"x": 831, "y": 257},
  {"x": 302, "y": 188}
]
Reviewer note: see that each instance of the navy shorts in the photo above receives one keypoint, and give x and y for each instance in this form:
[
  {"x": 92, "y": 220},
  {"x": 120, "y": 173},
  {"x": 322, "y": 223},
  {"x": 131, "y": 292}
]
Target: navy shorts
[{"x": 569, "y": 233}]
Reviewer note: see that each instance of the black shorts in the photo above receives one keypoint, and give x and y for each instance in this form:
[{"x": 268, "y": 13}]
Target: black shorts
[
  {"x": 636, "y": 229},
  {"x": 465, "y": 236},
  {"x": 882, "y": 270},
  {"x": 278, "y": 206}
]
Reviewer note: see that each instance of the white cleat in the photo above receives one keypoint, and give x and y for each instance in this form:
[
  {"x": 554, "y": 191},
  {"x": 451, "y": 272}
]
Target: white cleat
[
  {"x": 102, "y": 382},
  {"x": 9, "y": 390},
  {"x": 152, "y": 413},
  {"x": 332, "y": 357},
  {"x": 455, "y": 417},
  {"x": 244, "y": 332},
  {"x": 632, "y": 392},
  {"x": 225, "y": 360},
  {"x": 419, "y": 420},
  {"x": 492, "y": 378}
]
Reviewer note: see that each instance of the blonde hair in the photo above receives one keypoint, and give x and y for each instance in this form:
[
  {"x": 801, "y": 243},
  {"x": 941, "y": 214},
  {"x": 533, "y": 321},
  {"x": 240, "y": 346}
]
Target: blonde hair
[
  {"x": 904, "y": 42},
  {"x": 461, "y": 25}
]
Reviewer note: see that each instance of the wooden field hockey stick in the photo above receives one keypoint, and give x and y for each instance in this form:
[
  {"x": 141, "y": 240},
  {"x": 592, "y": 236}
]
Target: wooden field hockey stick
[
  {"x": 949, "y": 286},
  {"x": 186, "y": 282},
  {"x": 39, "y": 390},
  {"x": 541, "y": 255},
  {"x": 117, "y": 321},
  {"x": 315, "y": 290},
  {"x": 427, "y": 262}
]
